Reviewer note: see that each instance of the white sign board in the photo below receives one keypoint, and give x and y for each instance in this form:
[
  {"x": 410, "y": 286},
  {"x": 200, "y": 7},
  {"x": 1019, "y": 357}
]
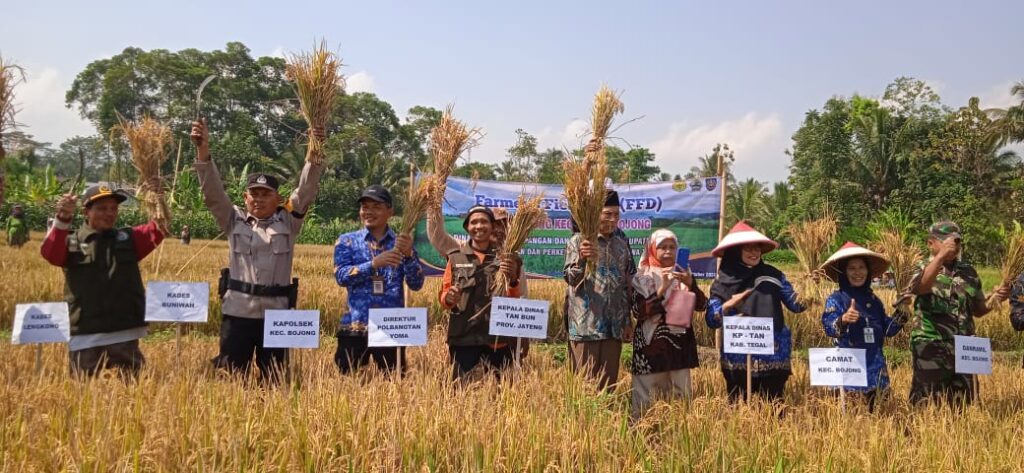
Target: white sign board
[
  {"x": 169, "y": 301},
  {"x": 838, "y": 367},
  {"x": 397, "y": 327},
  {"x": 41, "y": 322},
  {"x": 973, "y": 355},
  {"x": 524, "y": 318},
  {"x": 749, "y": 335},
  {"x": 291, "y": 329}
]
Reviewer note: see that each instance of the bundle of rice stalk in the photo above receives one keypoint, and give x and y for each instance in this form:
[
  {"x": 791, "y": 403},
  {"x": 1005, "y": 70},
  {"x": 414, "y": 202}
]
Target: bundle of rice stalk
[
  {"x": 149, "y": 141},
  {"x": 1013, "y": 260},
  {"x": 529, "y": 215},
  {"x": 448, "y": 141},
  {"x": 417, "y": 198},
  {"x": 811, "y": 240},
  {"x": 585, "y": 177},
  {"x": 318, "y": 81},
  {"x": 903, "y": 260}
]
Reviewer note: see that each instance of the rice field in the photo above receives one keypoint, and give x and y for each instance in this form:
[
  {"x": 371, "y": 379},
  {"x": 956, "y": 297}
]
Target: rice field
[{"x": 180, "y": 415}]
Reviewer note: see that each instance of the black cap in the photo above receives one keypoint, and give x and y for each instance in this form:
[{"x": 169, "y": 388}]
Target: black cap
[
  {"x": 477, "y": 209},
  {"x": 259, "y": 179},
  {"x": 376, "y": 193},
  {"x": 101, "y": 191},
  {"x": 611, "y": 198}
]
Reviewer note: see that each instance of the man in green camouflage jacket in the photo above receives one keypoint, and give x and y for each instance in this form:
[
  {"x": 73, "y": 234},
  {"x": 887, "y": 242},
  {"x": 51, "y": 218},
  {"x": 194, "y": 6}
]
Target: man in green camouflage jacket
[{"x": 949, "y": 296}]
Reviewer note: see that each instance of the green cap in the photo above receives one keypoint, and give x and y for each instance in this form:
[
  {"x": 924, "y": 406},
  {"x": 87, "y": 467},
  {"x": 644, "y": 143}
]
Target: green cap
[{"x": 944, "y": 229}]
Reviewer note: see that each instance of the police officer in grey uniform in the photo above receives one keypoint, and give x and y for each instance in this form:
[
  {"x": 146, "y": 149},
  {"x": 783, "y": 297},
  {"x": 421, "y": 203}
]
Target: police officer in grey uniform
[{"x": 261, "y": 240}]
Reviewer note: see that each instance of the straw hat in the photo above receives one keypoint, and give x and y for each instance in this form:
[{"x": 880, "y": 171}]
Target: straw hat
[
  {"x": 742, "y": 234},
  {"x": 877, "y": 264}
]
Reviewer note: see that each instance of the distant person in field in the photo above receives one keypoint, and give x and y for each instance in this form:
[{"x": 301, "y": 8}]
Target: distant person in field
[
  {"x": 466, "y": 295},
  {"x": 186, "y": 235},
  {"x": 372, "y": 264},
  {"x": 1017, "y": 304},
  {"x": 749, "y": 287},
  {"x": 949, "y": 297},
  {"x": 599, "y": 301},
  {"x": 664, "y": 346},
  {"x": 444, "y": 243},
  {"x": 261, "y": 242},
  {"x": 102, "y": 282},
  {"x": 17, "y": 228},
  {"x": 855, "y": 317}
]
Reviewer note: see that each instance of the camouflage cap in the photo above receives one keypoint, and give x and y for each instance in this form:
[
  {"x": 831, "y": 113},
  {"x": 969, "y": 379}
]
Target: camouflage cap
[{"x": 944, "y": 229}]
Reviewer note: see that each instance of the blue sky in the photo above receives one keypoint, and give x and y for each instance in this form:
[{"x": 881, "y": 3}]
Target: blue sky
[{"x": 744, "y": 73}]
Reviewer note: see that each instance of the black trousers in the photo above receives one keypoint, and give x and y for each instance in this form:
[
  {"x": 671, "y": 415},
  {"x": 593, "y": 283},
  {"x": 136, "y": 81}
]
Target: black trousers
[
  {"x": 465, "y": 358},
  {"x": 771, "y": 386},
  {"x": 353, "y": 353},
  {"x": 241, "y": 340}
]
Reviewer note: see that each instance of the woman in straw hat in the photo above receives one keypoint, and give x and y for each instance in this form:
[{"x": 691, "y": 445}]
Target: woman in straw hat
[
  {"x": 664, "y": 347},
  {"x": 855, "y": 316},
  {"x": 748, "y": 286}
]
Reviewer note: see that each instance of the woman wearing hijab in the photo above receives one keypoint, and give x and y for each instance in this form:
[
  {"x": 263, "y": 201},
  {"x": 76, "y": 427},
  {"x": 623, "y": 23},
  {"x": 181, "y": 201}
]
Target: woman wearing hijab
[
  {"x": 747, "y": 286},
  {"x": 854, "y": 316},
  {"x": 663, "y": 354}
]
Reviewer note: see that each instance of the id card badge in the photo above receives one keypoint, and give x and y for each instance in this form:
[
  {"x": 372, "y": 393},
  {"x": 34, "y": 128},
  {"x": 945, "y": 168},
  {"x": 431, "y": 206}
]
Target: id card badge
[
  {"x": 869, "y": 335},
  {"x": 378, "y": 285}
]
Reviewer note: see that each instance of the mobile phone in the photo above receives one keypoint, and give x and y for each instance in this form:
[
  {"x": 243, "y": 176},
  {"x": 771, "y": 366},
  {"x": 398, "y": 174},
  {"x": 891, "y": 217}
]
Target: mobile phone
[{"x": 683, "y": 258}]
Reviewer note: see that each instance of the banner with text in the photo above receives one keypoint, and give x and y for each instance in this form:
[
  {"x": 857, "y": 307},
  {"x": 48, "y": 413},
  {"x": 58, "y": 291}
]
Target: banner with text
[{"x": 690, "y": 208}]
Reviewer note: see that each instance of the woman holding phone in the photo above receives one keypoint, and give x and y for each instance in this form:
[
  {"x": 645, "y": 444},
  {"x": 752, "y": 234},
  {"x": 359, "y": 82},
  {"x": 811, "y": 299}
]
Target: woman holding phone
[
  {"x": 747, "y": 286},
  {"x": 664, "y": 299}
]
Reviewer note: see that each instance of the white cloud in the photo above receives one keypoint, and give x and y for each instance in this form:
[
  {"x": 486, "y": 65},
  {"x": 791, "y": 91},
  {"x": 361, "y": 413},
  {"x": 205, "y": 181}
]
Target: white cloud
[
  {"x": 277, "y": 52},
  {"x": 42, "y": 111},
  {"x": 998, "y": 96},
  {"x": 757, "y": 141},
  {"x": 573, "y": 133},
  {"x": 569, "y": 136},
  {"x": 360, "y": 82}
]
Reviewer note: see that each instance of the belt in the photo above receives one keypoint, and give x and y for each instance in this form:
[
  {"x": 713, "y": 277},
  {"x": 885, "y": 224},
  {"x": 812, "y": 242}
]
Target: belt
[{"x": 259, "y": 289}]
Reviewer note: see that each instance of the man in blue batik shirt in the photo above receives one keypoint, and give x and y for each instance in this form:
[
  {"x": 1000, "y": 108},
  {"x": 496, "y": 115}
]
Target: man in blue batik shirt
[{"x": 372, "y": 263}]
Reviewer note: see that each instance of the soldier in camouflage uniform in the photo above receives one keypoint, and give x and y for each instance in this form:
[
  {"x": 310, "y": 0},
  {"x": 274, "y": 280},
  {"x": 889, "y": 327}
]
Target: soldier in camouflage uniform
[
  {"x": 949, "y": 297},
  {"x": 1017, "y": 304}
]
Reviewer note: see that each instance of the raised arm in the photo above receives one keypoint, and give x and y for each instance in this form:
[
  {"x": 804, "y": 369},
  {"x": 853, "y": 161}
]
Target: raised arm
[
  {"x": 214, "y": 195},
  {"x": 437, "y": 234}
]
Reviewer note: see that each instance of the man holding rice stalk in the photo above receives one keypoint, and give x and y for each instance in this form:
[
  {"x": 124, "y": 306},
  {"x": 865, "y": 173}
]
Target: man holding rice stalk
[
  {"x": 466, "y": 292},
  {"x": 372, "y": 264},
  {"x": 1017, "y": 304},
  {"x": 102, "y": 281},
  {"x": 599, "y": 300},
  {"x": 949, "y": 297},
  {"x": 261, "y": 241}
]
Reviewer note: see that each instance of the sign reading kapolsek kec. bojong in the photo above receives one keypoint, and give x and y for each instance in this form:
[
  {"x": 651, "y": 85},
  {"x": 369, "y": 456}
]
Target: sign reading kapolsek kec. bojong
[
  {"x": 689, "y": 208},
  {"x": 291, "y": 329}
]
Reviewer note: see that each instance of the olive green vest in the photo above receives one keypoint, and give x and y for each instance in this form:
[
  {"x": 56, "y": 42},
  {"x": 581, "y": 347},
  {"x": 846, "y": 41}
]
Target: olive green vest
[
  {"x": 102, "y": 282},
  {"x": 469, "y": 320}
]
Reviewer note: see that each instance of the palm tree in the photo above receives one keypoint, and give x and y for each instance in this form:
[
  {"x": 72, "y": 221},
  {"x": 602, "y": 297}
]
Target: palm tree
[
  {"x": 881, "y": 145},
  {"x": 747, "y": 201},
  {"x": 1008, "y": 124},
  {"x": 708, "y": 164},
  {"x": 10, "y": 76}
]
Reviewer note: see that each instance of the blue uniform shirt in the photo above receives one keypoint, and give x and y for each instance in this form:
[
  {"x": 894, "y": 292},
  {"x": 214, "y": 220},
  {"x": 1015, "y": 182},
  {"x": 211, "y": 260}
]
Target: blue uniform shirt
[{"x": 353, "y": 254}]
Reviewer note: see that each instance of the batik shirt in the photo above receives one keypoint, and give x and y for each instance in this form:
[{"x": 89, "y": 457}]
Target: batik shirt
[
  {"x": 1017, "y": 304},
  {"x": 599, "y": 302},
  {"x": 857, "y": 335},
  {"x": 353, "y": 254}
]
